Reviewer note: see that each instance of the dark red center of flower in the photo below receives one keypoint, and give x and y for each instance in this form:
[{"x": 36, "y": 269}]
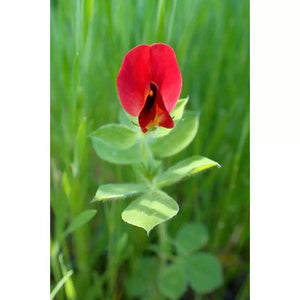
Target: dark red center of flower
[
  {"x": 150, "y": 100},
  {"x": 154, "y": 111}
]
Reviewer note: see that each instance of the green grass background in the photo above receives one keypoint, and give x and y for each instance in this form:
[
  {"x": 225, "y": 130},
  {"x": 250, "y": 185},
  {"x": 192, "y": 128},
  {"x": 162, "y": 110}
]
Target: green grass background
[{"x": 89, "y": 39}]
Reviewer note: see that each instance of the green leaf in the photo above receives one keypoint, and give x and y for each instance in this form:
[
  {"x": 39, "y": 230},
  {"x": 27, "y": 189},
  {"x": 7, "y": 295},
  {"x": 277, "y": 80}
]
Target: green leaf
[
  {"x": 190, "y": 237},
  {"x": 158, "y": 132},
  {"x": 117, "y": 136},
  {"x": 69, "y": 285},
  {"x": 122, "y": 156},
  {"x": 203, "y": 272},
  {"x": 66, "y": 184},
  {"x": 150, "y": 209},
  {"x": 60, "y": 284},
  {"x": 80, "y": 220},
  {"x": 177, "y": 112},
  {"x": 179, "y": 137},
  {"x": 184, "y": 168},
  {"x": 117, "y": 191},
  {"x": 172, "y": 283},
  {"x": 128, "y": 120}
]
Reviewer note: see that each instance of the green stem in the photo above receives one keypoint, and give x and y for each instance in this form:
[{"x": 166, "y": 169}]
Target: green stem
[
  {"x": 55, "y": 266},
  {"x": 60, "y": 284},
  {"x": 65, "y": 250},
  {"x": 145, "y": 151},
  {"x": 150, "y": 166}
]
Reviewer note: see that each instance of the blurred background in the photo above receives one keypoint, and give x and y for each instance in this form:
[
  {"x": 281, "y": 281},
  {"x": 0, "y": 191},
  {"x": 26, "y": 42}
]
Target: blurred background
[{"x": 89, "y": 39}]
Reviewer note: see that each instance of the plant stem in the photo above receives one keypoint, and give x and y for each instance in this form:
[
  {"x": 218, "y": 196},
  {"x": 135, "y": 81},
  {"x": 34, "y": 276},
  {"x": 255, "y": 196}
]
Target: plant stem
[{"x": 55, "y": 266}]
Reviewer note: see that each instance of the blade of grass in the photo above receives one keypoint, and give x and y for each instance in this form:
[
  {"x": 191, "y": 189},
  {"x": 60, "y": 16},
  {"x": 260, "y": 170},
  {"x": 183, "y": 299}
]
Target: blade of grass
[{"x": 60, "y": 284}]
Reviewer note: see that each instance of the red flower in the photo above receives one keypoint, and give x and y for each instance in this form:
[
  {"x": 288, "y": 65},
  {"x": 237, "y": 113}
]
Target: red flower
[{"x": 149, "y": 85}]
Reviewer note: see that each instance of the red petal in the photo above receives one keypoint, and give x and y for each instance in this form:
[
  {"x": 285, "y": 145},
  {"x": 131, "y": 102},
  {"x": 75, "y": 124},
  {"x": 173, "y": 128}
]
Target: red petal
[
  {"x": 165, "y": 73},
  {"x": 133, "y": 80},
  {"x": 164, "y": 118}
]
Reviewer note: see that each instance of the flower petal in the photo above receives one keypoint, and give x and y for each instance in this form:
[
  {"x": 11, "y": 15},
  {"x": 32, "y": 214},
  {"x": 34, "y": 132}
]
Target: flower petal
[
  {"x": 133, "y": 80},
  {"x": 165, "y": 73},
  {"x": 164, "y": 118}
]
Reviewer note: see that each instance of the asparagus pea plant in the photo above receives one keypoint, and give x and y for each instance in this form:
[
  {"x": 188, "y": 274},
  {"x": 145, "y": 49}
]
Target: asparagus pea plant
[{"x": 154, "y": 125}]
